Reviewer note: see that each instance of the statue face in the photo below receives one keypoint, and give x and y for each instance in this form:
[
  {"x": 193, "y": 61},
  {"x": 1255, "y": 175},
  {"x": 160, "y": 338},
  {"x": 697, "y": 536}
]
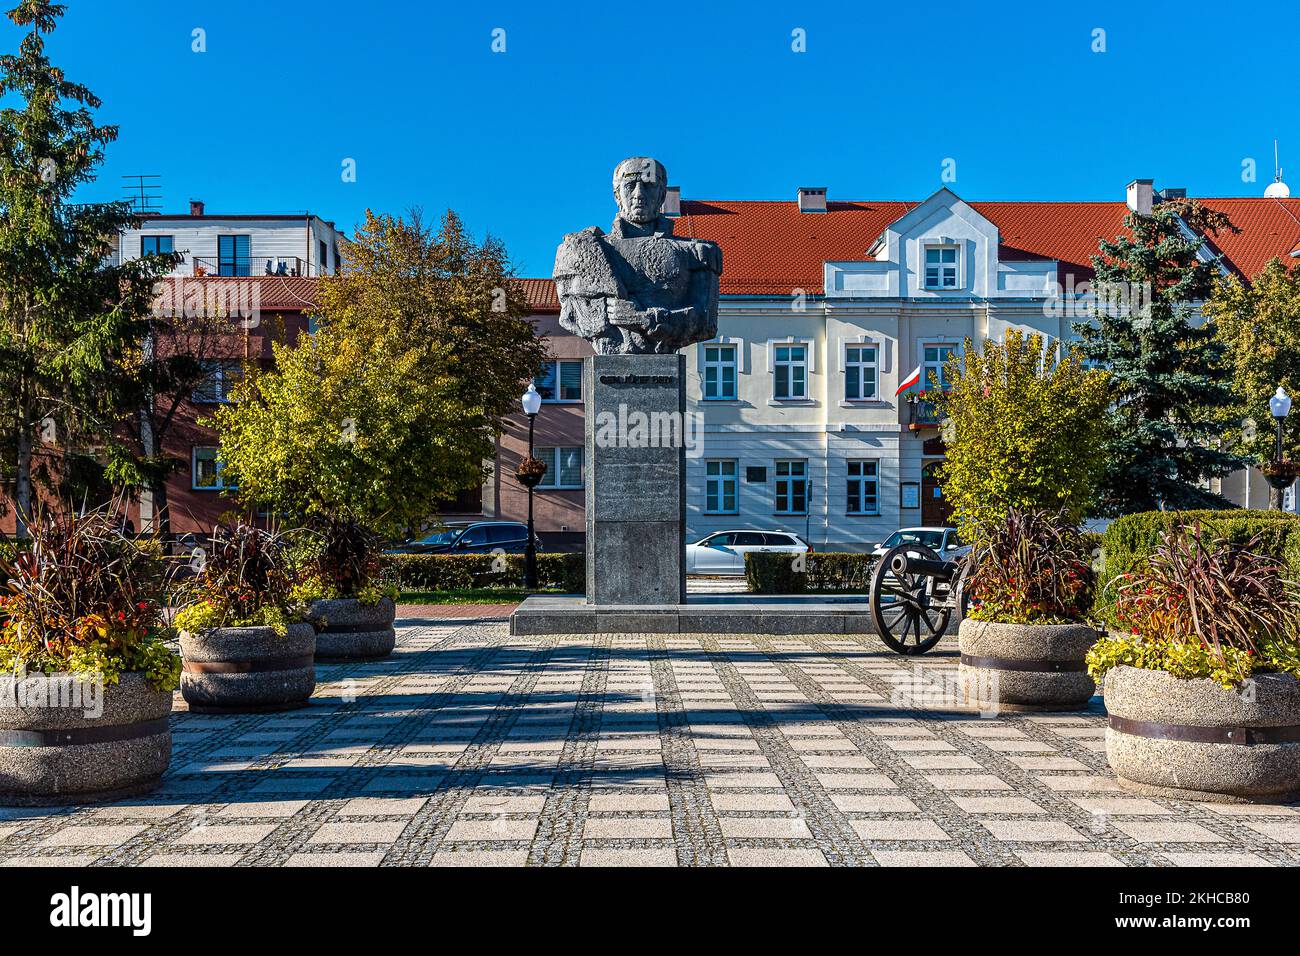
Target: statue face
[{"x": 639, "y": 186}]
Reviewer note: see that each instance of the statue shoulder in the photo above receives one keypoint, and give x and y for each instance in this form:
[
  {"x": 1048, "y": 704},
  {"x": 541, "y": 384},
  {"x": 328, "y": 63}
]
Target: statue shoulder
[{"x": 707, "y": 253}]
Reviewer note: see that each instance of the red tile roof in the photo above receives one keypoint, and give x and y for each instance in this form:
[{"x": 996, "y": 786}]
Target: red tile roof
[
  {"x": 770, "y": 248},
  {"x": 541, "y": 294},
  {"x": 276, "y": 293}
]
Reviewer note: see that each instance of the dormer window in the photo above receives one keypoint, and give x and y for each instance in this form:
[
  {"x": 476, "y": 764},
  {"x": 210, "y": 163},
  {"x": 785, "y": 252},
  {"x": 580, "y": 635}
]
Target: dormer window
[{"x": 941, "y": 267}]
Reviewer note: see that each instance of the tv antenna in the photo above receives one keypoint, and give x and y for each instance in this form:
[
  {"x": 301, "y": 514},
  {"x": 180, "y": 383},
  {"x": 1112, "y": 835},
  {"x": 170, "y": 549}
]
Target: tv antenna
[
  {"x": 144, "y": 192},
  {"x": 1277, "y": 189}
]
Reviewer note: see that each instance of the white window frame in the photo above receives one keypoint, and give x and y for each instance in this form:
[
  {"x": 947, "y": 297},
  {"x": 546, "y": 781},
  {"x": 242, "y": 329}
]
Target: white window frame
[
  {"x": 940, "y": 285},
  {"x": 554, "y": 365},
  {"x": 788, "y": 479},
  {"x": 551, "y": 480},
  {"x": 719, "y": 365},
  {"x": 861, "y": 366},
  {"x": 715, "y": 486},
  {"x": 861, "y": 478},
  {"x": 215, "y": 371},
  {"x": 217, "y": 469},
  {"x": 924, "y": 384},
  {"x": 807, "y": 365}
]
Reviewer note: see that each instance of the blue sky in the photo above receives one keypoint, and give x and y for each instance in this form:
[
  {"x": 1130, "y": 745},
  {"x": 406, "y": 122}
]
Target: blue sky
[{"x": 522, "y": 143}]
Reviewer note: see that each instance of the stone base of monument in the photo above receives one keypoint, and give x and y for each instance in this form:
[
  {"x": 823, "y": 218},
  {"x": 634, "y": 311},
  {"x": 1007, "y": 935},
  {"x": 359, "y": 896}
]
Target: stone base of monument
[{"x": 698, "y": 614}]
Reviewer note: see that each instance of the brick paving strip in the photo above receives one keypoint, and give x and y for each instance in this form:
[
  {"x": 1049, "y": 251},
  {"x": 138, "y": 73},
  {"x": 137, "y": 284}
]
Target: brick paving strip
[{"x": 469, "y": 747}]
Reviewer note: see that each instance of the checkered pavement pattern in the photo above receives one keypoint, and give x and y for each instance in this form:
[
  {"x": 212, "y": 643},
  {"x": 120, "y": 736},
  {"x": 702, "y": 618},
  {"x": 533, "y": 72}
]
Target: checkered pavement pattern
[{"x": 468, "y": 747}]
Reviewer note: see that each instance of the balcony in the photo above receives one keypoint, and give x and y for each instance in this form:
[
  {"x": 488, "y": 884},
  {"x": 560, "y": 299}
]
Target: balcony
[
  {"x": 922, "y": 415},
  {"x": 252, "y": 266}
]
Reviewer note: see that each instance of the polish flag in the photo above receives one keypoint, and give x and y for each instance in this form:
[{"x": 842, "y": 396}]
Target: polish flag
[{"x": 908, "y": 382}]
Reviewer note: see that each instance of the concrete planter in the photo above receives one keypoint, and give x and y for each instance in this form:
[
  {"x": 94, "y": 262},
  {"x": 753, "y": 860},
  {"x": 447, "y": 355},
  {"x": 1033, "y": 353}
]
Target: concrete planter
[
  {"x": 1025, "y": 666},
  {"x": 347, "y": 630},
  {"x": 247, "y": 669},
  {"x": 1195, "y": 740},
  {"x": 53, "y": 755}
]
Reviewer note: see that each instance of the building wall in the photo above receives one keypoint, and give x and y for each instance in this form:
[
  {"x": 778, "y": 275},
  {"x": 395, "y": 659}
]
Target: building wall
[{"x": 271, "y": 238}]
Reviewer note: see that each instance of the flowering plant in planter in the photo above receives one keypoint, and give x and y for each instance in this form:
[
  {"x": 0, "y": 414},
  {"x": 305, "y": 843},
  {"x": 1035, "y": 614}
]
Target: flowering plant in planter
[
  {"x": 341, "y": 558},
  {"x": 1205, "y": 609},
  {"x": 245, "y": 581},
  {"x": 530, "y": 472},
  {"x": 1032, "y": 567},
  {"x": 85, "y": 600}
]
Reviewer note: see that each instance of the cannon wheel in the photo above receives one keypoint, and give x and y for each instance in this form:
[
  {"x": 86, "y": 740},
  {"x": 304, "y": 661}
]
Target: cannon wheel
[{"x": 902, "y": 605}]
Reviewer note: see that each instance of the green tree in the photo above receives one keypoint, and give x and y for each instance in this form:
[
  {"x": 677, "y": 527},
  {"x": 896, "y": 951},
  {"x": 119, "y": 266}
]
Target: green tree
[
  {"x": 394, "y": 404},
  {"x": 1173, "y": 401},
  {"x": 1258, "y": 324},
  {"x": 1023, "y": 430},
  {"x": 69, "y": 319}
]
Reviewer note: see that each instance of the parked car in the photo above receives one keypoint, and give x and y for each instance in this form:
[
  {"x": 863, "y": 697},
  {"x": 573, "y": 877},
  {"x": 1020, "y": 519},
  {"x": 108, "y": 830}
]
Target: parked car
[
  {"x": 471, "y": 537},
  {"x": 724, "y": 551},
  {"x": 943, "y": 541}
]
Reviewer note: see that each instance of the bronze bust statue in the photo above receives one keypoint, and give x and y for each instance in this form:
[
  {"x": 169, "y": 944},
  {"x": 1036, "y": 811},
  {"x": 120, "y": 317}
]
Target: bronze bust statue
[{"x": 638, "y": 289}]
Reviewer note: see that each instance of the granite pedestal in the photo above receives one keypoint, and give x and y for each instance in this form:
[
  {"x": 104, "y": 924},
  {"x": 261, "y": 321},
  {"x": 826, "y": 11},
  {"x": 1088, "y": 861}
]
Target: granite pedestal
[{"x": 636, "y": 479}]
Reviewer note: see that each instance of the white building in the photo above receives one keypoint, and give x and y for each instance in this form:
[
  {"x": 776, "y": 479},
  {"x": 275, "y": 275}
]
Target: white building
[
  {"x": 827, "y": 307},
  {"x": 301, "y": 245}
]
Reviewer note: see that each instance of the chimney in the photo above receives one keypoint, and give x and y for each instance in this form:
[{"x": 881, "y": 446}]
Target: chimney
[
  {"x": 812, "y": 198},
  {"x": 1140, "y": 196},
  {"x": 196, "y": 207},
  {"x": 673, "y": 201}
]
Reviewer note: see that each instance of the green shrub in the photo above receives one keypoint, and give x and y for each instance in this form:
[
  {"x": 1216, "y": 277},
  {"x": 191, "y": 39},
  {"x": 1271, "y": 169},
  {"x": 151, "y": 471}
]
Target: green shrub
[
  {"x": 768, "y": 573},
  {"x": 460, "y": 572},
  {"x": 1129, "y": 542}
]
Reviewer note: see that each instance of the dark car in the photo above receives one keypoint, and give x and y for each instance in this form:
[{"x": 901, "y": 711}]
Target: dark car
[{"x": 471, "y": 537}]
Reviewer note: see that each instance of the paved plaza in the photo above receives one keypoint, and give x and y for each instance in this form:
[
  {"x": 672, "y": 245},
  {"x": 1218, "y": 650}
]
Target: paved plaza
[{"x": 469, "y": 747}]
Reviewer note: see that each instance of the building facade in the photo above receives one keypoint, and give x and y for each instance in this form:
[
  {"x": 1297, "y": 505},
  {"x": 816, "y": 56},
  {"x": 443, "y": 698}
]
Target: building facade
[{"x": 827, "y": 308}]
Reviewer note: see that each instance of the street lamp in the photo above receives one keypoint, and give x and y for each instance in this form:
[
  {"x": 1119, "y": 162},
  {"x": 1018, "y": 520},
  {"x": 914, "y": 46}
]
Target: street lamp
[
  {"x": 529, "y": 474},
  {"x": 1282, "y": 473}
]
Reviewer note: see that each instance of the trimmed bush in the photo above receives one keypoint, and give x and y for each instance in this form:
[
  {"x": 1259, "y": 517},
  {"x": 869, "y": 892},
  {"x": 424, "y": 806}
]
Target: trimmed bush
[
  {"x": 768, "y": 573},
  {"x": 1129, "y": 542},
  {"x": 460, "y": 572}
]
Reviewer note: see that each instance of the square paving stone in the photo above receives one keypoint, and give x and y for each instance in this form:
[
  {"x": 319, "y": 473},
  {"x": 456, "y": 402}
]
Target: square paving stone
[
  {"x": 1283, "y": 832},
  {"x": 492, "y": 830},
  {"x": 873, "y": 803},
  {"x": 627, "y": 802},
  {"x": 628, "y": 828},
  {"x": 225, "y": 834},
  {"x": 887, "y": 830},
  {"x": 647, "y": 856},
  {"x": 1120, "y": 806},
  {"x": 97, "y": 835},
  {"x": 347, "y": 858},
  {"x": 194, "y": 859},
  {"x": 1215, "y": 859},
  {"x": 774, "y": 828},
  {"x": 1167, "y": 831},
  {"x": 1033, "y": 831},
  {"x": 1058, "y": 858},
  {"x": 922, "y": 858},
  {"x": 372, "y": 832},
  {"x": 856, "y": 781},
  {"x": 776, "y": 856},
  {"x": 264, "y": 808}
]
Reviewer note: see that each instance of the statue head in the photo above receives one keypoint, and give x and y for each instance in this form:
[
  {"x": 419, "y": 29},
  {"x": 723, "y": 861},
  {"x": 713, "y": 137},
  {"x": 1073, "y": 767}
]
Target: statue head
[{"x": 640, "y": 184}]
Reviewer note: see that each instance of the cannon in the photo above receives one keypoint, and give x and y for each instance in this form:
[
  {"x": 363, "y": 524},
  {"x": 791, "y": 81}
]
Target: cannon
[{"x": 914, "y": 594}]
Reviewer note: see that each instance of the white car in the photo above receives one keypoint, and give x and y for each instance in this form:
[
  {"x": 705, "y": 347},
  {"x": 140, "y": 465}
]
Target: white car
[
  {"x": 943, "y": 541},
  {"x": 724, "y": 551}
]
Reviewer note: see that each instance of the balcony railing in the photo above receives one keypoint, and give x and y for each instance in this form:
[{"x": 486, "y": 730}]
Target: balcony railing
[
  {"x": 252, "y": 266},
  {"x": 922, "y": 415}
]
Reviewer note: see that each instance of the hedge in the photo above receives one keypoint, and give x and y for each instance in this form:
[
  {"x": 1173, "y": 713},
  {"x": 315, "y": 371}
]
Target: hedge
[
  {"x": 769, "y": 573},
  {"x": 458, "y": 572},
  {"x": 1128, "y": 542}
]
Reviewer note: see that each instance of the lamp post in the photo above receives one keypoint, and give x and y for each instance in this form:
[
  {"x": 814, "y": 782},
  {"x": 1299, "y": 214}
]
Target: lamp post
[
  {"x": 1281, "y": 473},
  {"x": 529, "y": 475}
]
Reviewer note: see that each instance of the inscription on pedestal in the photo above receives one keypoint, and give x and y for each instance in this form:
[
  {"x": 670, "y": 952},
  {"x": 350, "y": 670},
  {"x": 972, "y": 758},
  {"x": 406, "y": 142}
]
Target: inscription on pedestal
[{"x": 636, "y": 474}]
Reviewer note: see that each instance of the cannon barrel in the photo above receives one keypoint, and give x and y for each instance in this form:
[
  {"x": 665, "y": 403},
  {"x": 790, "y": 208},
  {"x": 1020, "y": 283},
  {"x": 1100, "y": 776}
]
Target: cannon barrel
[{"x": 911, "y": 564}]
